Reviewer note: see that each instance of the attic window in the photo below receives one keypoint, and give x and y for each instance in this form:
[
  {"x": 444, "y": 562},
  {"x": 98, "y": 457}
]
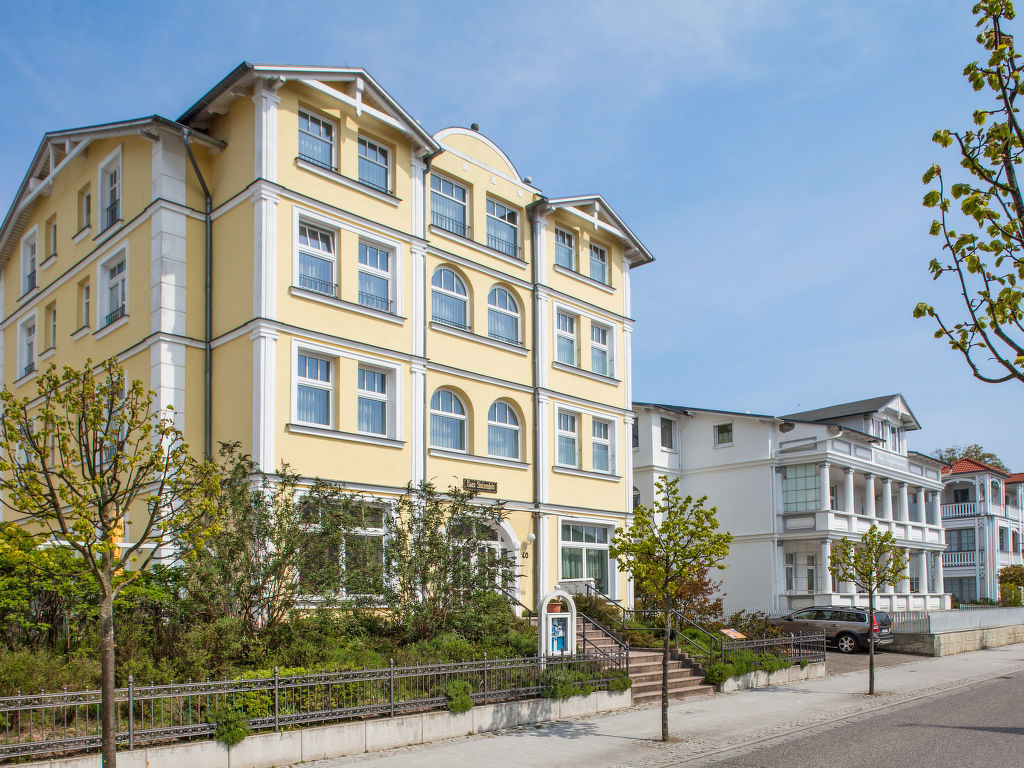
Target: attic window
[{"x": 316, "y": 140}]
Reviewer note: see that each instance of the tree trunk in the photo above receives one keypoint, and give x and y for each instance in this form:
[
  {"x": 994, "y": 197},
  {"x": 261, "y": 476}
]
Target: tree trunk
[
  {"x": 109, "y": 706},
  {"x": 871, "y": 643},
  {"x": 664, "y": 671}
]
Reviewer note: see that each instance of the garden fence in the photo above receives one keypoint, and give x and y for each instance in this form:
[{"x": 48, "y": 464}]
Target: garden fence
[{"x": 794, "y": 648}]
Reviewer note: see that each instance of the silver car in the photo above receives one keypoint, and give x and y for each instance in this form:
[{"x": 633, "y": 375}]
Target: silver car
[{"x": 846, "y": 628}]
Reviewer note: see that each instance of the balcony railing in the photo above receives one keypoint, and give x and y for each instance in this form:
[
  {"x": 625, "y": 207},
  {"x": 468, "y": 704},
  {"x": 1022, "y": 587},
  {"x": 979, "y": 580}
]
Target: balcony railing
[
  {"x": 963, "y": 509},
  {"x": 112, "y": 214},
  {"x": 503, "y": 246},
  {"x": 116, "y": 314},
  {"x": 30, "y": 368},
  {"x": 449, "y": 322},
  {"x": 374, "y": 301},
  {"x": 449, "y": 224},
  {"x": 957, "y": 559},
  {"x": 315, "y": 284}
]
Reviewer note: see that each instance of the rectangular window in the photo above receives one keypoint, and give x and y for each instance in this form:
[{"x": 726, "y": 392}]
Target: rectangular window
[
  {"x": 116, "y": 275},
  {"x": 314, "y": 391},
  {"x": 502, "y": 228},
  {"x": 84, "y": 303},
  {"x": 811, "y": 573},
  {"x": 29, "y": 262},
  {"x": 84, "y": 208},
  {"x": 51, "y": 237},
  {"x": 568, "y": 440},
  {"x": 790, "y": 571},
  {"x": 723, "y": 434},
  {"x": 51, "y": 326},
  {"x": 1004, "y": 539},
  {"x": 565, "y": 333},
  {"x": 599, "y": 264},
  {"x": 374, "y": 277},
  {"x": 800, "y": 488},
  {"x": 448, "y": 205},
  {"x": 28, "y": 347},
  {"x": 565, "y": 249},
  {"x": 316, "y": 260},
  {"x": 373, "y": 401},
  {"x": 600, "y": 360},
  {"x": 961, "y": 496},
  {"x": 960, "y": 540},
  {"x": 667, "y": 432},
  {"x": 364, "y": 563},
  {"x": 636, "y": 434},
  {"x": 602, "y": 455},
  {"x": 833, "y": 496},
  {"x": 585, "y": 554},
  {"x": 316, "y": 140},
  {"x": 110, "y": 190},
  {"x": 374, "y": 166}
]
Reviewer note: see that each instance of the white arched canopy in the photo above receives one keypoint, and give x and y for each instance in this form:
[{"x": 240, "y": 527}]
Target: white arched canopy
[{"x": 544, "y": 623}]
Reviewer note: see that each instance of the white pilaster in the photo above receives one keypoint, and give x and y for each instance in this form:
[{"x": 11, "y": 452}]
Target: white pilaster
[
  {"x": 266, "y": 100},
  {"x": 419, "y": 300},
  {"x": 936, "y": 508},
  {"x": 627, "y": 460},
  {"x": 419, "y": 195},
  {"x": 265, "y": 254},
  {"x": 541, "y": 356},
  {"x": 264, "y": 393},
  {"x": 848, "y": 491},
  {"x": 542, "y": 552},
  {"x": 869, "y": 495},
  {"x": 419, "y": 423},
  {"x": 542, "y": 461},
  {"x": 826, "y": 576},
  {"x": 167, "y": 379},
  {"x": 886, "y": 498}
]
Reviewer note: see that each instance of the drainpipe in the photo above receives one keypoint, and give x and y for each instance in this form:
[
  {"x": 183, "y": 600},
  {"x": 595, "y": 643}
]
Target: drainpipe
[
  {"x": 207, "y": 304},
  {"x": 537, "y": 436}
]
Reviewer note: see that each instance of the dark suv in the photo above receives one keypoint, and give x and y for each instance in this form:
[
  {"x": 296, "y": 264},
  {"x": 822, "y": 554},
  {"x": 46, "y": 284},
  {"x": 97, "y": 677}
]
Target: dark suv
[{"x": 846, "y": 628}]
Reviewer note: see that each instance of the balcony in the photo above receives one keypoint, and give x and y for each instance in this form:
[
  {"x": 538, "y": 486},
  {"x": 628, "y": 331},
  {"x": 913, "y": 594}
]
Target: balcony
[
  {"x": 114, "y": 315},
  {"x": 447, "y": 223},
  {"x": 957, "y": 559},
  {"x": 315, "y": 284},
  {"x": 374, "y": 301},
  {"x": 850, "y": 523},
  {"x": 502, "y": 245},
  {"x": 963, "y": 509}
]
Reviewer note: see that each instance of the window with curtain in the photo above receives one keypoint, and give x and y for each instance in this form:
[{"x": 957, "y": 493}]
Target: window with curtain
[
  {"x": 502, "y": 228},
  {"x": 585, "y": 554},
  {"x": 599, "y": 264},
  {"x": 448, "y": 205},
  {"x": 565, "y": 249},
  {"x": 568, "y": 440},
  {"x": 316, "y": 260},
  {"x": 602, "y": 446},
  {"x": 373, "y": 401},
  {"x": 502, "y": 431},
  {"x": 374, "y": 277},
  {"x": 316, "y": 139},
  {"x": 502, "y": 315},
  {"x": 565, "y": 334},
  {"x": 373, "y": 164},
  {"x": 314, "y": 389},
  {"x": 447, "y": 421},
  {"x": 449, "y": 300},
  {"x": 600, "y": 361}
]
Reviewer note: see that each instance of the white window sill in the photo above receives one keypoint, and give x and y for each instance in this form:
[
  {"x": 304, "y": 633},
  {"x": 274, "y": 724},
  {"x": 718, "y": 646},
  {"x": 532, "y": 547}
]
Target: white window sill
[
  {"x": 344, "y": 304},
  {"x": 586, "y": 473},
  {"x": 495, "y": 461},
  {"x": 351, "y": 437},
  {"x": 83, "y": 331},
  {"x": 81, "y": 234},
  {"x": 358, "y": 186},
  {"x": 47, "y": 353},
  {"x": 520, "y": 263},
  {"x": 99, "y": 333},
  {"x": 26, "y": 378},
  {"x": 583, "y": 278},
  {"x": 461, "y": 333},
  {"x": 583, "y": 372},
  {"x": 49, "y": 262},
  {"x": 724, "y": 445},
  {"x": 109, "y": 232},
  {"x": 28, "y": 294}
]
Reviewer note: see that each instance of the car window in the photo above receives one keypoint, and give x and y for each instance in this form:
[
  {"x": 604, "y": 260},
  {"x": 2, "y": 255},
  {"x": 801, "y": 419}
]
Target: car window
[
  {"x": 858, "y": 617},
  {"x": 804, "y": 615},
  {"x": 883, "y": 618}
]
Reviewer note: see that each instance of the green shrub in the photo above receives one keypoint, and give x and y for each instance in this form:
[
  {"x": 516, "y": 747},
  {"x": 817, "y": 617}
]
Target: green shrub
[
  {"x": 804, "y": 663},
  {"x": 772, "y": 663},
  {"x": 459, "y": 699},
  {"x": 562, "y": 684},
  {"x": 718, "y": 673},
  {"x": 231, "y": 726},
  {"x": 619, "y": 681}
]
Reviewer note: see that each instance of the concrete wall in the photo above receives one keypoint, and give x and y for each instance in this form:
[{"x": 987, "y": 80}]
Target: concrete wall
[
  {"x": 949, "y": 643},
  {"x": 264, "y": 750},
  {"x": 761, "y": 679}
]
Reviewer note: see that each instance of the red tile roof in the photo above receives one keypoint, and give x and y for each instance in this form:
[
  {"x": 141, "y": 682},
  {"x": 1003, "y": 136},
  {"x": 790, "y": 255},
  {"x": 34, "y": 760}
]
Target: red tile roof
[
  {"x": 964, "y": 465},
  {"x": 1016, "y": 477}
]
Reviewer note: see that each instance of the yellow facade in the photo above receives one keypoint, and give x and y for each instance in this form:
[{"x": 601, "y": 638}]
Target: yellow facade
[{"x": 332, "y": 215}]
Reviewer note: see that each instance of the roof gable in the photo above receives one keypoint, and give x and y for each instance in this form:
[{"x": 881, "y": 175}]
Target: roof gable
[
  {"x": 966, "y": 465},
  {"x": 895, "y": 403},
  {"x": 595, "y": 210}
]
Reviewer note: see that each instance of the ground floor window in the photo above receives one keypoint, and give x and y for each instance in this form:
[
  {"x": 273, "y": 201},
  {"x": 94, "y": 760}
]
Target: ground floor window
[
  {"x": 585, "y": 554},
  {"x": 964, "y": 590}
]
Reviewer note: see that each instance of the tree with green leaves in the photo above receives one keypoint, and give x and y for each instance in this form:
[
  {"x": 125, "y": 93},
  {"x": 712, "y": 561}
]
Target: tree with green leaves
[
  {"x": 869, "y": 564},
  {"x": 667, "y": 547},
  {"x": 985, "y": 254},
  {"x": 972, "y": 451},
  {"x": 88, "y": 464}
]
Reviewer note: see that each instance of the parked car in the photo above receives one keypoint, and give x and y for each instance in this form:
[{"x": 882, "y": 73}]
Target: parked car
[{"x": 846, "y": 628}]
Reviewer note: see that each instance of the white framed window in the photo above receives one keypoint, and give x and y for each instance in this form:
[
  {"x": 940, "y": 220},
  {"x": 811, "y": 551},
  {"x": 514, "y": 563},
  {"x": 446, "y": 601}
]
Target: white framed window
[
  {"x": 84, "y": 208},
  {"x": 374, "y": 165},
  {"x": 114, "y": 273},
  {"x": 449, "y": 299},
  {"x": 565, "y": 338},
  {"x": 447, "y": 421},
  {"x": 51, "y": 325},
  {"x": 636, "y": 433},
  {"x": 723, "y": 434},
  {"x": 314, "y": 389},
  {"x": 600, "y": 354},
  {"x": 812, "y": 573},
  {"x": 599, "y": 263},
  {"x": 27, "y": 347},
  {"x": 84, "y": 303},
  {"x": 363, "y": 555},
  {"x": 502, "y": 431},
  {"x": 110, "y": 191},
  {"x": 565, "y": 249},
  {"x": 316, "y": 139},
  {"x": 29, "y": 261},
  {"x": 567, "y": 439},
  {"x": 602, "y": 446},
  {"x": 373, "y": 401},
  {"x": 585, "y": 554},
  {"x": 448, "y": 205},
  {"x": 502, "y": 315},
  {"x": 668, "y": 434},
  {"x": 375, "y": 277},
  {"x": 790, "y": 571},
  {"x": 502, "y": 228},
  {"x": 800, "y": 487},
  {"x": 51, "y": 238},
  {"x": 317, "y": 260}
]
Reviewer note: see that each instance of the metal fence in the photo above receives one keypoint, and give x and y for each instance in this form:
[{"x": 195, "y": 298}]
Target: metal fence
[
  {"x": 794, "y": 648},
  {"x": 931, "y": 622},
  {"x": 68, "y": 722}
]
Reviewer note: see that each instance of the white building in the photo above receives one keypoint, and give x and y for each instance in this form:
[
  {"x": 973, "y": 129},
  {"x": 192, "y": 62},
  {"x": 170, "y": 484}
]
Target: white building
[
  {"x": 981, "y": 512},
  {"x": 788, "y": 487}
]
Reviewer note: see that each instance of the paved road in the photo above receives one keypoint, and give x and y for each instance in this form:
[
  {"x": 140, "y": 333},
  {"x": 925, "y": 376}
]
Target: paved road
[
  {"x": 982, "y": 725},
  {"x": 837, "y": 663}
]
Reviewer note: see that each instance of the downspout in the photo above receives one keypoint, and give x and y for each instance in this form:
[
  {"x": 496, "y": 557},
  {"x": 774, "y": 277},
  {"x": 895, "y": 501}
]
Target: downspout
[
  {"x": 207, "y": 304},
  {"x": 537, "y": 437}
]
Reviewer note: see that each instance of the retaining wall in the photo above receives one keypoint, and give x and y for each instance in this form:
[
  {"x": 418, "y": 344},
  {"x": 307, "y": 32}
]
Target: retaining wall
[
  {"x": 949, "y": 643},
  {"x": 264, "y": 750},
  {"x": 761, "y": 679}
]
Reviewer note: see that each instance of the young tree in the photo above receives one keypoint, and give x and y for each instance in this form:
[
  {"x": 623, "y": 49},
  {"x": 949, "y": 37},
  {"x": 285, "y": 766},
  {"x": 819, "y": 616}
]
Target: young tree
[
  {"x": 1011, "y": 580},
  {"x": 668, "y": 547},
  {"x": 870, "y": 564},
  {"x": 87, "y": 464},
  {"x": 986, "y": 259},
  {"x": 972, "y": 451}
]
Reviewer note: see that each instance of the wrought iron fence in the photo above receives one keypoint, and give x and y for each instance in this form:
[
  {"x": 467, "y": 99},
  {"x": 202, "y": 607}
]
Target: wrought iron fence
[
  {"x": 794, "y": 648},
  {"x": 54, "y": 724}
]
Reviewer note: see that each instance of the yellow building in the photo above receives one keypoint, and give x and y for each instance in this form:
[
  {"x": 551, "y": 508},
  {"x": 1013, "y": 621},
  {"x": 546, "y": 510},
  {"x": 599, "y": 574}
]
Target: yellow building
[{"x": 297, "y": 265}]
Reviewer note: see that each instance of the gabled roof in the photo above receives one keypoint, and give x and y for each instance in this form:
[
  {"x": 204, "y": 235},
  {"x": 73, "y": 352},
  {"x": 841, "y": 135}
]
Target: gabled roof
[
  {"x": 856, "y": 408},
  {"x": 686, "y": 410},
  {"x": 604, "y": 217},
  {"x": 966, "y": 465},
  {"x": 1016, "y": 477},
  {"x": 368, "y": 96}
]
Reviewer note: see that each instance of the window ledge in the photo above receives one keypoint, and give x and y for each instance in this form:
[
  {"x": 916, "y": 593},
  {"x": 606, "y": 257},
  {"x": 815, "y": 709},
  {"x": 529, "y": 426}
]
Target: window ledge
[
  {"x": 26, "y": 378},
  {"x": 81, "y": 234},
  {"x": 586, "y": 473},
  {"x": 724, "y": 445},
  {"x": 496, "y": 461},
  {"x": 507, "y": 346},
  {"x": 352, "y": 437},
  {"x": 584, "y": 372},
  {"x": 76, "y": 335},
  {"x": 99, "y": 333},
  {"x": 49, "y": 261},
  {"x": 106, "y": 234},
  {"x": 583, "y": 278},
  {"x": 28, "y": 294},
  {"x": 366, "y": 189},
  {"x": 521, "y": 263},
  {"x": 47, "y": 353},
  {"x": 344, "y": 304}
]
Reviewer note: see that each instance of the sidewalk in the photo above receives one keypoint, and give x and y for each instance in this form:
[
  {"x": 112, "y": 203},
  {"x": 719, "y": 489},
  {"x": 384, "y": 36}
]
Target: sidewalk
[{"x": 700, "y": 727}]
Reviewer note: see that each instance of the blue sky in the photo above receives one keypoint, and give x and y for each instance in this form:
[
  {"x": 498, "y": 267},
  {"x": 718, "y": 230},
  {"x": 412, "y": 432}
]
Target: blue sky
[{"x": 768, "y": 153}]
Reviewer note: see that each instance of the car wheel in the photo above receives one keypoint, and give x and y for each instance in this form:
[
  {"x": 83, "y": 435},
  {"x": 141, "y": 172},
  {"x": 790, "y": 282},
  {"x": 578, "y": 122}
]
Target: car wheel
[{"x": 846, "y": 643}]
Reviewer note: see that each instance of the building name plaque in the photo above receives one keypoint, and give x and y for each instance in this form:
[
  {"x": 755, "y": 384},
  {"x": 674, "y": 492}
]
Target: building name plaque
[{"x": 479, "y": 486}]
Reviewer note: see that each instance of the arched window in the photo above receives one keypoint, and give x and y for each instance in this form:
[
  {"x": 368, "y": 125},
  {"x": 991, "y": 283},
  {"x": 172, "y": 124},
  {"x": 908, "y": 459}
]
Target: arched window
[
  {"x": 502, "y": 315},
  {"x": 502, "y": 431},
  {"x": 449, "y": 298},
  {"x": 447, "y": 421}
]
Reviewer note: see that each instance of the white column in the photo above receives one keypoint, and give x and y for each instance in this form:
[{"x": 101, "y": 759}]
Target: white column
[
  {"x": 265, "y": 98},
  {"x": 418, "y": 201},
  {"x": 826, "y": 499},
  {"x": 419, "y": 423},
  {"x": 265, "y": 253},
  {"x": 419, "y": 300},
  {"x": 922, "y": 572},
  {"x": 904, "y": 583},
  {"x": 922, "y": 512},
  {"x": 542, "y": 461},
  {"x": 848, "y": 490},
  {"x": 869, "y": 495},
  {"x": 940, "y": 583},
  {"x": 936, "y": 508},
  {"x": 904, "y": 503},
  {"x": 264, "y": 393},
  {"x": 825, "y": 581},
  {"x": 541, "y": 550},
  {"x": 886, "y": 499}
]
